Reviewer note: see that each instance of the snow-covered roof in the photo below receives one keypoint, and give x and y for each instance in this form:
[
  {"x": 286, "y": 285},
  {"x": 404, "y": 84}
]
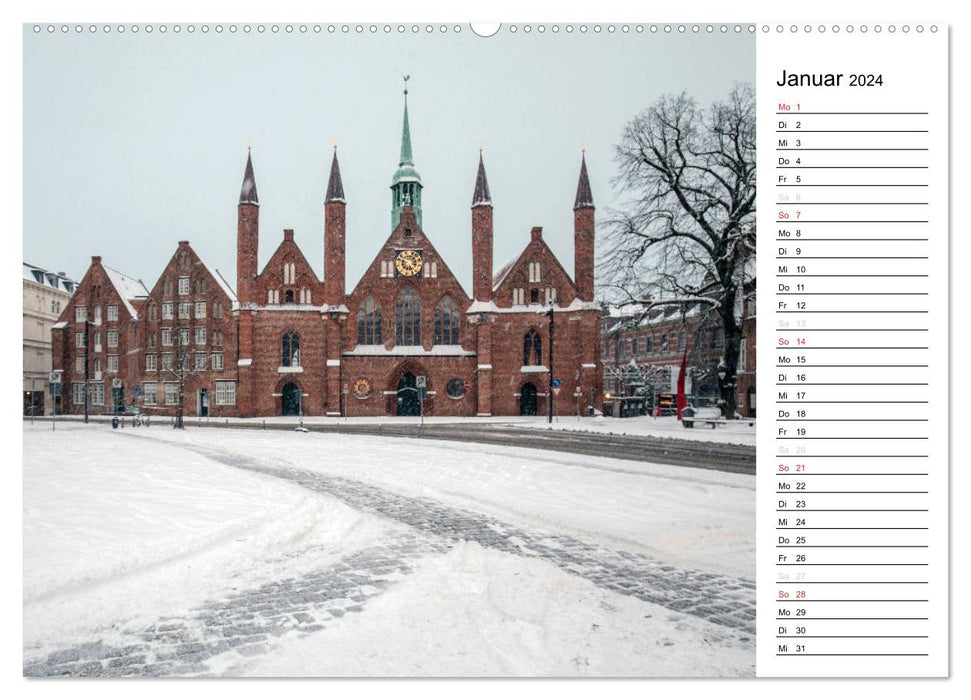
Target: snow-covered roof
[
  {"x": 223, "y": 284},
  {"x": 128, "y": 288},
  {"x": 54, "y": 280},
  {"x": 500, "y": 275}
]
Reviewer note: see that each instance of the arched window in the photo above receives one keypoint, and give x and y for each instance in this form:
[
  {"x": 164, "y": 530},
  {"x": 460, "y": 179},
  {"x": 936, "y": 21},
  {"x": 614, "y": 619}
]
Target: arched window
[
  {"x": 369, "y": 323},
  {"x": 407, "y": 309},
  {"x": 289, "y": 297},
  {"x": 291, "y": 349},
  {"x": 532, "y": 349},
  {"x": 446, "y": 322}
]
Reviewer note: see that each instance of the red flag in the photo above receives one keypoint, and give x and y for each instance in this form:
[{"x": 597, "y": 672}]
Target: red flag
[{"x": 682, "y": 401}]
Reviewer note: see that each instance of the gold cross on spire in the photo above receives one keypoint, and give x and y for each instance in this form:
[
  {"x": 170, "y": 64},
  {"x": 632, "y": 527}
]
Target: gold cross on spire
[
  {"x": 583, "y": 146},
  {"x": 335, "y": 143},
  {"x": 249, "y": 143},
  {"x": 480, "y": 146}
]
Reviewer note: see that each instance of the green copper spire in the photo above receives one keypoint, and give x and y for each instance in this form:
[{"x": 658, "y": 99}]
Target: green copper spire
[{"x": 406, "y": 183}]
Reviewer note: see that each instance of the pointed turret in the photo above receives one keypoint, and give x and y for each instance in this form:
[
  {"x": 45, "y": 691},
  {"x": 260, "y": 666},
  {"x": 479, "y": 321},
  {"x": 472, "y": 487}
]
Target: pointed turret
[
  {"x": 247, "y": 194},
  {"x": 481, "y": 195},
  {"x": 406, "y": 183},
  {"x": 335, "y": 224},
  {"x": 584, "y": 196},
  {"x": 335, "y": 188},
  {"x": 583, "y": 235},
  {"x": 247, "y": 235},
  {"x": 481, "y": 236}
]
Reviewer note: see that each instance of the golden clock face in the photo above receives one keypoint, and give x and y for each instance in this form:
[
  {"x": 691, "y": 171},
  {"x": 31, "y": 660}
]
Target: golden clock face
[{"x": 408, "y": 263}]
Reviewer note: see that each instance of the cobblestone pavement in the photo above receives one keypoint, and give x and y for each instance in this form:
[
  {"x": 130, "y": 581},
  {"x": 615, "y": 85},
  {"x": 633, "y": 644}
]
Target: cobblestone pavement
[{"x": 246, "y": 623}]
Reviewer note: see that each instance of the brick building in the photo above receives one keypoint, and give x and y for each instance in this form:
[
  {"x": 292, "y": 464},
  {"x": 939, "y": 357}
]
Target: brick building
[
  {"x": 288, "y": 342},
  {"x": 642, "y": 351}
]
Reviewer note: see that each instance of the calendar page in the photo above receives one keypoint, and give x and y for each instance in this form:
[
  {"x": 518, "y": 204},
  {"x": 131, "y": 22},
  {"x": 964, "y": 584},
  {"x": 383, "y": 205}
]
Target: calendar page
[{"x": 415, "y": 348}]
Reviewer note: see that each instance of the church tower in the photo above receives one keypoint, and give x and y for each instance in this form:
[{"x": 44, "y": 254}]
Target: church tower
[
  {"x": 583, "y": 235},
  {"x": 334, "y": 236},
  {"x": 481, "y": 237},
  {"x": 406, "y": 183},
  {"x": 247, "y": 235}
]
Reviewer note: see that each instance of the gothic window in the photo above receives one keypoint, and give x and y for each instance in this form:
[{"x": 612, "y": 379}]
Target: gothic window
[
  {"x": 532, "y": 348},
  {"x": 534, "y": 296},
  {"x": 446, "y": 322},
  {"x": 369, "y": 323},
  {"x": 291, "y": 349},
  {"x": 407, "y": 318},
  {"x": 289, "y": 296}
]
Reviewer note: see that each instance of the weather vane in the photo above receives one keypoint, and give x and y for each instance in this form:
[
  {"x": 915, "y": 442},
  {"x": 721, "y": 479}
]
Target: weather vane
[
  {"x": 583, "y": 145},
  {"x": 480, "y": 146},
  {"x": 406, "y": 79},
  {"x": 335, "y": 143},
  {"x": 249, "y": 143}
]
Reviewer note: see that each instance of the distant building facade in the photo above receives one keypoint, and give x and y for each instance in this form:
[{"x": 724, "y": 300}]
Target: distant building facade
[
  {"x": 642, "y": 352},
  {"x": 46, "y": 295},
  {"x": 407, "y": 339}
]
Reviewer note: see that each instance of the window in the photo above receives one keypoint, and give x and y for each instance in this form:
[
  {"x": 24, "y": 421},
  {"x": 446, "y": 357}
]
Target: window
[
  {"x": 719, "y": 338},
  {"x": 407, "y": 310},
  {"x": 633, "y": 345},
  {"x": 112, "y": 363},
  {"x": 79, "y": 364},
  {"x": 290, "y": 349},
  {"x": 200, "y": 309},
  {"x": 151, "y": 340},
  {"x": 217, "y": 309},
  {"x": 665, "y": 344},
  {"x": 288, "y": 299},
  {"x": 184, "y": 309},
  {"x": 217, "y": 360},
  {"x": 518, "y": 296},
  {"x": 167, "y": 363},
  {"x": 97, "y": 341},
  {"x": 201, "y": 286},
  {"x": 446, "y": 322},
  {"x": 649, "y": 343},
  {"x": 79, "y": 339},
  {"x": 150, "y": 393},
  {"x": 167, "y": 289},
  {"x": 369, "y": 323},
  {"x": 289, "y": 273},
  {"x": 77, "y": 393},
  {"x": 534, "y": 272},
  {"x": 200, "y": 362},
  {"x": 96, "y": 368},
  {"x": 533, "y": 296},
  {"x": 112, "y": 312},
  {"x": 225, "y": 393},
  {"x": 97, "y": 393},
  {"x": 171, "y": 393},
  {"x": 152, "y": 312},
  {"x": 217, "y": 338},
  {"x": 112, "y": 339},
  {"x": 167, "y": 336},
  {"x": 183, "y": 286},
  {"x": 681, "y": 341},
  {"x": 455, "y": 388},
  {"x": 201, "y": 336},
  {"x": 550, "y": 295},
  {"x": 532, "y": 348},
  {"x": 183, "y": 337},
  {"x": 151, "y": 363},
  {"x": 80, "y": 313},
  {"x": 168, "y": 309},
  {"x": 97, "y": 314}
]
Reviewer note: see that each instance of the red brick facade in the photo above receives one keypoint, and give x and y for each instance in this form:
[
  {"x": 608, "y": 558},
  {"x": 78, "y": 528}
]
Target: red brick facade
[{"x": 294, "y": 343}]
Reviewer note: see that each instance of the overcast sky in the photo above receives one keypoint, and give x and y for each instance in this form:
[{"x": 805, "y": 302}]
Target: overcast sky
[{"x": 133, "y": 142}]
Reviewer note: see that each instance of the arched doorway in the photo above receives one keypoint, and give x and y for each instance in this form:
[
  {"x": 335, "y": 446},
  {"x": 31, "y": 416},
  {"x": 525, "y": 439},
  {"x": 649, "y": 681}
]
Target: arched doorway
[
  {"x": 408, "y": 404},
  {"x": 527, "y": 399},
  {"x": 292, "y": 400}
]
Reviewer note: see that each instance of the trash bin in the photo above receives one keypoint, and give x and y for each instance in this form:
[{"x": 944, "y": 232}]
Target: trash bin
[
  {"x": 114, "y": 422},
  {"x": 687, "y": 416}
]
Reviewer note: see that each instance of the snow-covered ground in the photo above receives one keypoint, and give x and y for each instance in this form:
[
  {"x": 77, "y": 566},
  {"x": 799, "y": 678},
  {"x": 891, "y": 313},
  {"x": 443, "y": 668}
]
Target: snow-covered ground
[{"x": 462, "y": 559}]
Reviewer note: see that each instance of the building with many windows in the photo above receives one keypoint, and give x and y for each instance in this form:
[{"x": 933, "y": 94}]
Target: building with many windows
[
  {"x": 46, "y": 295},
  {"x": 407, "y": 339}
]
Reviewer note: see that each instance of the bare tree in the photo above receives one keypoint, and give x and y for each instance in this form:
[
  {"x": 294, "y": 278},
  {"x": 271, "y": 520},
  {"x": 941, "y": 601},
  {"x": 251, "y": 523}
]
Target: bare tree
[
  {"x": 181, "y": 368},
  {"x": 686, "y": 235}
]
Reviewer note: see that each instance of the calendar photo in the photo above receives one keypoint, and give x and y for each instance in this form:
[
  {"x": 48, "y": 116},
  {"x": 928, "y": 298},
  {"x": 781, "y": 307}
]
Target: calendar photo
[{"x": 429, "y": 350}]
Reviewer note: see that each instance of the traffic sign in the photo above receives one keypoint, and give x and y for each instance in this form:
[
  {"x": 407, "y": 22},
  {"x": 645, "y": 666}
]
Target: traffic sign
[
  {"x": 55, "y": 378},
  {"x": 557, "y": 383},
  {"x": 421, "y": 381},
  {"x": 556, "y": 390}
]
